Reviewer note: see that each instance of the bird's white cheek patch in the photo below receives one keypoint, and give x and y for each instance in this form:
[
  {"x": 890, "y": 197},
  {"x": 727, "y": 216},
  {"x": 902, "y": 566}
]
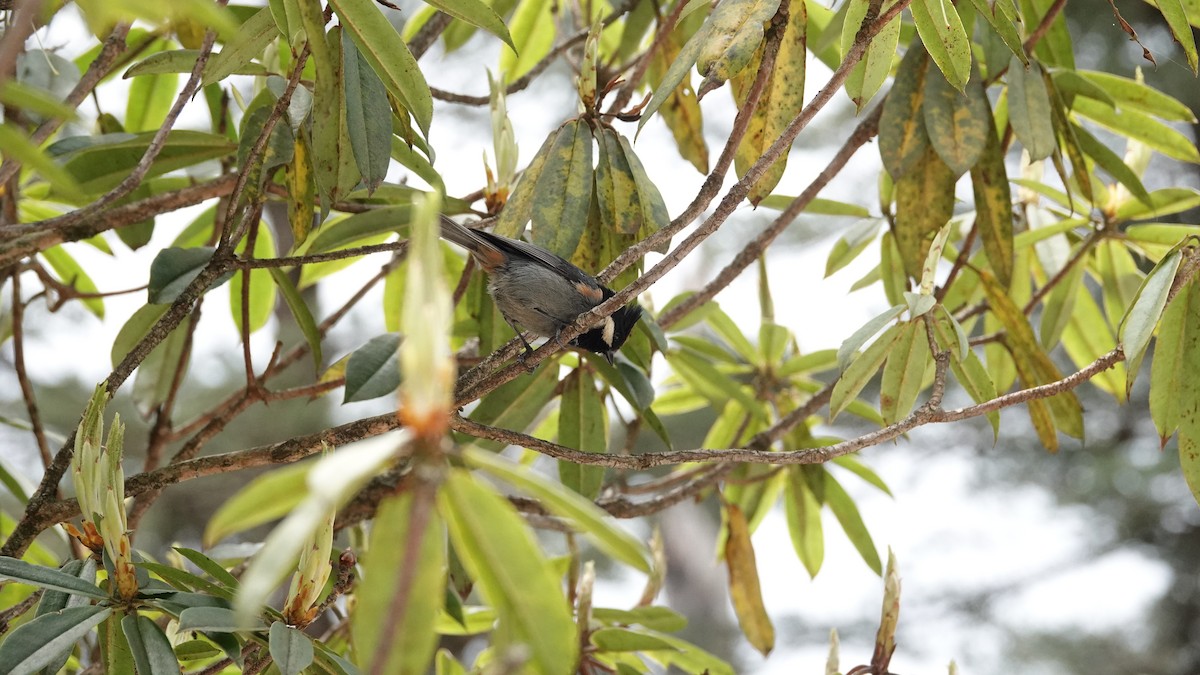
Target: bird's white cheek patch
[{"x": 610, "y": 329}]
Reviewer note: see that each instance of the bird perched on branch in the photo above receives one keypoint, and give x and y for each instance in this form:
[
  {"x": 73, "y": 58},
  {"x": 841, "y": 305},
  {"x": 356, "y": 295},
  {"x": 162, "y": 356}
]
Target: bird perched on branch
[{"x": 538, "y": 291}]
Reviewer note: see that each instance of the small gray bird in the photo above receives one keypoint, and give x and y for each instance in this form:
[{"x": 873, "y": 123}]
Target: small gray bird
[{"x": 540, "y": 292}]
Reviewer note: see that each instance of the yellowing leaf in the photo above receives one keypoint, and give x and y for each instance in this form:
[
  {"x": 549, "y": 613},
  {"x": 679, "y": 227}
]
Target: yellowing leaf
[{"x": 744, "y": 588}]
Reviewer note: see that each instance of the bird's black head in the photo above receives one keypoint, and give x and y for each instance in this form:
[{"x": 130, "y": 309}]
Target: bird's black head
[{"x": 607, "y": 337}]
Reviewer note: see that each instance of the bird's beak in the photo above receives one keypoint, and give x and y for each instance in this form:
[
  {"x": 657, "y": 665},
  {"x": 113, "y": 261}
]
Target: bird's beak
[{"x": 609, "y": 357}]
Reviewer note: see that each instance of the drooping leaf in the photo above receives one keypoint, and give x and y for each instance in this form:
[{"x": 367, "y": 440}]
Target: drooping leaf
[
  {"x": 582, "y": 424},
  {"x": 957, "y": 121},
  {"x": 368, "y": 115},
  {"x": 924, "y": 203},
  {"x": 152, "y": 651},
  {"x": 1029, "y": 109},
  {"x": 943, "y": 35},
  {"x": 902, "y": 135},
  {"x": 744, "y": 587},
  {"x": 848, "y": 517},
  {"x": 872, "y": 70}
]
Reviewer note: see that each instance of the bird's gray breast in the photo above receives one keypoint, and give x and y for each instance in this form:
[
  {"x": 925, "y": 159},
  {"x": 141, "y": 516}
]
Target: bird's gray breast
[{"x": 539, "y": 300}]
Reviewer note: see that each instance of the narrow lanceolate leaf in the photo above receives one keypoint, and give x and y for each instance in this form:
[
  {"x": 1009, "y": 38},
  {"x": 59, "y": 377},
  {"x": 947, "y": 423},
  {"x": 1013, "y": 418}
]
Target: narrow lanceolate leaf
[
  {"x": 1034, "y": 366},
  {"x": 737, "y": 31},
  {"x": 152, "y": 651},
  {"x": 368, "y": 115},
  {"x": 499, "y": 551},
  {"x": 957, "y": 121},
  {"x": 1088, "y": 337},
  {"x": 677, "y": 72},
  {"x": 902, "y": 136},
  {"x": 388, "y": 55},
  {"x": 780, "y": 102},
  {"x": 582, "y": 424},
  {"x": 301, "y": 189},
  {"x": 1111, "y": 163},
  {"x": 410, "y": 647},
  {"x": 47, "y": 577},
  {"x": 533, "y": 31},
  {"x": 924, "y": 203},
  {"x": 71, "y": 273},
  {"x": 333, "y": 160},
  {"x": 847, "y": 515},
  {"x": 681, "y": 110},
  {"x": 1003, "y": 26},
  {"x": 744, "y": 588},
  {"x": 300, "y": 312},
  {"x": 18, "y": 146},
  {"x": 252, "y": 38},
  {"x": 1172, "y": 392},
  {"x": 478, "y": 14},
  {"x": 1140, "y": 127},
  {"x": 968, "y": 369},
  {"x": 1128, "y": 92},
  {"x": 564, "y": 191},
  {"x": 261, "y": 293},
  {"x": 942, "y": 32},
  {"x": 852, "y": 344},
  {"x": 1029, "y": 109},
  {"x": 580, "y": 512},
  {"x": 1176, "y": 14},
  {"x": 268, "y": 497},
  {"x": 904, "y": 372},
  {"x": 150, "y": 98},
  {"x": 861, "y": 370},
  {"x": 871, "y": 71},
  {"x": 34, "y": 645},
  {"x": 804, "y": 521},
  {"x": 993, "y": 207},
  {"x": 1138, "y": 325}
]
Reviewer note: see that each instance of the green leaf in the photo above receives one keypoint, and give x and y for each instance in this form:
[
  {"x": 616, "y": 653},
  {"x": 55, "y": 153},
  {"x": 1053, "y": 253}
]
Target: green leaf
[
  {"x": 1138, "y": 324},
  {"x": 626, "y": 640},
  {"x": 150, "y": 99},
  {"x": 804, "y": 521},
  {"x": 1140, "y": 127},
  {"x": 1112, "y": 163},
  {"x": 388, "y": 55},
  {"x": 261, "y": 293},
  {"x": 850, "y": 346},
  {"x": 214, "y": 620},
  {"x": 340, "y": 233},
  {"x": 872, "y": 70},
  {"x": 904, "y": 372},
  {"x": 47, "y": 577},
  {"x": 575, "y": 509},
  {"x": 516, "y": 404},
  {"x": 1003, "y": 26},
  {"x": 414, "y": 640},
  {"x": 234, "y": 58},
  {"x": 1129, "y": 93},
  {"x": 368, "y": 115},
  {"x": 582, "y": 424},
  {"x": 652, "y": 617},
  {"x": 677, "y": 72},
  {"x": 942, "y": 32},
  {"x": 1177, "y": 19},
  {"x": 18, "y": 146},
  {"x": 34, "y": 645},
  {"x": 847, "y": 515},
  {"x": 861, "y": 370},
  {"x": 1174, "y": 367},
  {"x": 533, "y": 30},
  {"x": 512, "y": 573},
  {"x": 156, "y": 374},
  {"x": 300, "y": 312},
  {"x": 373, "y": 369},
  {"x": 152, "y": 652},
  {"x": 71, "y": 273},
  {"x": 32, "y": 99},
  {"x": 478, "y": 14},
  {"x": 209, "y": 566},
  {"x": 902, "y": 136},
  {"x": 101, "y": 162},
  {"x": 269, "y": 496},
  {"x": 1029, "y": 109},
  {"x": 174, "y": 268},
  {"x": 715, "y": 385},
  {"x": 291, "y": 650}
]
